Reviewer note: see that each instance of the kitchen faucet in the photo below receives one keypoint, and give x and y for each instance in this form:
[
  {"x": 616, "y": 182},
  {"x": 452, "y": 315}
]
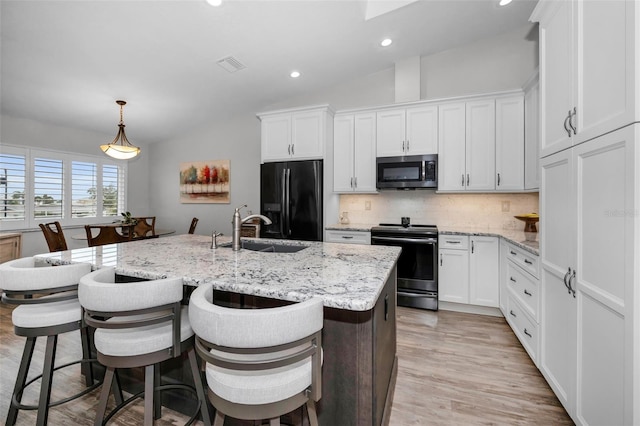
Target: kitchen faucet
[{"x": 237, "y": 226}]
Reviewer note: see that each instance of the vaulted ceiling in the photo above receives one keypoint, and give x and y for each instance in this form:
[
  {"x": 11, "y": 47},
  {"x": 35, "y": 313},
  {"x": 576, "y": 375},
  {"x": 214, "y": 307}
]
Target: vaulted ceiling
[{"x": 66, "y": 62}]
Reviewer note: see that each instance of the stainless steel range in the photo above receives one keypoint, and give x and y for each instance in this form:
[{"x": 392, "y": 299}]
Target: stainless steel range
[{"x": 417, "y": 266}]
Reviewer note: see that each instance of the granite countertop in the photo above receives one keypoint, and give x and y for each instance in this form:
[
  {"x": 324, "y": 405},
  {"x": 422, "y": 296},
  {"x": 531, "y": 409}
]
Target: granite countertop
[
  {"x": 346, "y": 276},
  {"x": 525, "y": 240}
]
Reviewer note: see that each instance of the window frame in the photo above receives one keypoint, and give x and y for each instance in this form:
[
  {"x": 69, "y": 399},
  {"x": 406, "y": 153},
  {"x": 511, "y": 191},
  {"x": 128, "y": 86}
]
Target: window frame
[{"x": 31, "y": 153}]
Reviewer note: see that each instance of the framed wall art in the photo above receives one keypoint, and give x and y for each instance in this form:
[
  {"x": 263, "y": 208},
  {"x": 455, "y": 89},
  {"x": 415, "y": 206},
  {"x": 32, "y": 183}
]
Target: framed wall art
[{"x": 204, "y": 182}]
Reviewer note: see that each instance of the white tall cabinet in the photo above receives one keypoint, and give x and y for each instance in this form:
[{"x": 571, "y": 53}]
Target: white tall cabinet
[{"x": 589, "y": 207}]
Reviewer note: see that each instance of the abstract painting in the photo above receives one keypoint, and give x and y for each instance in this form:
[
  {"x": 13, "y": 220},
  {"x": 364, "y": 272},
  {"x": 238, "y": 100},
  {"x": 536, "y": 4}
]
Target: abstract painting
[{"x": 204, "y": 182}]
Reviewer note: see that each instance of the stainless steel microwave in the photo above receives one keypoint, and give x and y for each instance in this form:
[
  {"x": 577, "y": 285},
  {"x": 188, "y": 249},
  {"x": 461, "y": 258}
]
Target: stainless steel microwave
[{"x": 407, "y": 172}]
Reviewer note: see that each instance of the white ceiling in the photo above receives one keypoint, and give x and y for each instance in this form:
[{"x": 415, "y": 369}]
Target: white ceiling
[{"x": 66, "y": 62}]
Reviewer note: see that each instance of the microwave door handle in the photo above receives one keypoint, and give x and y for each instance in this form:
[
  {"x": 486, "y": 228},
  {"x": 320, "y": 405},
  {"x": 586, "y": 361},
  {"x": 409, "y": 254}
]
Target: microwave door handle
[{"x": 424, "y": 170}]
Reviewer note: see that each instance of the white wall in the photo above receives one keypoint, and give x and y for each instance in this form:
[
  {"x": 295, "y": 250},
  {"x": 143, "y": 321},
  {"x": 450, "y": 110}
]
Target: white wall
[
  {"x": 26, "y": 132},
  {"x": 237, "y": 140},
  {"x": 499, "y": 63}
]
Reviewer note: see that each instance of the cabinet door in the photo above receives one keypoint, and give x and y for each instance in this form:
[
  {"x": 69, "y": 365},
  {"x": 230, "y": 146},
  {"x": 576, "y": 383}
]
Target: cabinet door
[
  {"x": 276, "y": 137},
  {"x": 343, "y": 149},
  {"x": 556, "y": 75},
  {"x": 606, "y": 185},
  {"x": 532, "y": 137},
  {"x": 307, "y": 139},
  {"x": 365, "y": 153},
  {"x": 422, "y": 130},
  {"x": 484, "y": 271},
  {"x": 481, "y": 145},
  {"x": 510, "y": 144},
  {"x": 453, "y": 275},
  {"x": 559, "y": 308},
  {"x": 451, "y": 147},
  {"x": 605, "y": 66},
  {"x": 391, "y": 133}
]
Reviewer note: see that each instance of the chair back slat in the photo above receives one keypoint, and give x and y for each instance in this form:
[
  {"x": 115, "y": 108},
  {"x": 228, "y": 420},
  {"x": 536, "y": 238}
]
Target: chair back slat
[
  {"x": 145, "y": 227},
  {"x": 54, "y": 237},
  {"x": 107, "y": 234}
]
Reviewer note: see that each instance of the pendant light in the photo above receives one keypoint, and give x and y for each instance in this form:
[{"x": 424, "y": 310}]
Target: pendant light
[{"x": 120, "y": 148}]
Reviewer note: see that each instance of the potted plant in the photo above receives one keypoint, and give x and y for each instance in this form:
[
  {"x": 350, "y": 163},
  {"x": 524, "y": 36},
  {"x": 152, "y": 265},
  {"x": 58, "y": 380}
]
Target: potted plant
[{"x": 127, "y": 220}]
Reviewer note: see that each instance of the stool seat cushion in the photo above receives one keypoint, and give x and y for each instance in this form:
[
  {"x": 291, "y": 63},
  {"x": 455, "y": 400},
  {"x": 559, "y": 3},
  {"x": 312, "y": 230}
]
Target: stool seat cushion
[
  {"x": 259, "y": 387},
  {"x": 140, "y": 340},
  {"x": 47, "y": 314}
]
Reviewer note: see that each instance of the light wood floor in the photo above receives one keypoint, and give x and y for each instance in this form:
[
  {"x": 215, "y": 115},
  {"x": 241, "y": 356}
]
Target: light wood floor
[{"x": 454, "y": 369}]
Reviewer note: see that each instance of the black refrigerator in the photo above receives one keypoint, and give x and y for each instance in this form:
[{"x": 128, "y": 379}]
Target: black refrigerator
[{"x": 291, "y": 196}]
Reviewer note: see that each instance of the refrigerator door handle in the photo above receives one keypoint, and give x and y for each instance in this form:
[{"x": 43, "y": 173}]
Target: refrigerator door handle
[
  {"x": 283, "y": 202},
  {"x": 288, "y": 205}
]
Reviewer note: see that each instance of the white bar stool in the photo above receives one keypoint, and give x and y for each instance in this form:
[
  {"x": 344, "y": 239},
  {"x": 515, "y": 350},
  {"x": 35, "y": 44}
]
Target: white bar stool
[
  {"x": 55, "y": 310},
  {"x": 261, "y": 363},
  {"x": 139, "y": 324}
]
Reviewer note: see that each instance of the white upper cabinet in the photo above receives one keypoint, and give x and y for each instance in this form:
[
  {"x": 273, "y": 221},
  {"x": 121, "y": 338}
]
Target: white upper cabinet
[
  {"x": 294, "y": 134},
  {"x": 451, "y": 147},
  {"x": 407, "y": 131},
  {"x": 588, "y": 51},
  {"x": 354, "y": 153},
  {"x": 510, "y": 133},
  {"x": 480, "y": 145}
]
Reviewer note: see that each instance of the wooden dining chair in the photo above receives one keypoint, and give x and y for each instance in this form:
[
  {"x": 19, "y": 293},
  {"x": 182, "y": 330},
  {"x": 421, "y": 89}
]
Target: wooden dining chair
[
  {"x": 194, "y": 222},
  {"x": 107, "y": 234},
  {"x": 145, "y": 227},
  {"x": 55, "y": 237}
]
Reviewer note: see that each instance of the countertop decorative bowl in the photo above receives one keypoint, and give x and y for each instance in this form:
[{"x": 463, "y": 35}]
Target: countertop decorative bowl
[{"x": 529, "y": 220}]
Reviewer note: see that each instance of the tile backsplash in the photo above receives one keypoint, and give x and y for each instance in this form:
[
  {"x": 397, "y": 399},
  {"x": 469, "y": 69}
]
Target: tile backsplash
[{"x": 427, "y": 207}]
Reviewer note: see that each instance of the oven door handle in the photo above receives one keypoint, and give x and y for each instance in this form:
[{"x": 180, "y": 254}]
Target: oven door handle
[
  {"x": 407, "y": 240},
  {"x": 428, "y": 294}
]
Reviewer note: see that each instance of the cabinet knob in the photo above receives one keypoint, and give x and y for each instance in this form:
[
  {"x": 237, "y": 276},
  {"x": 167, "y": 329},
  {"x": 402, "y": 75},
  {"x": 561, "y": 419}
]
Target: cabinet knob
[
  {"x": 527, "y": 292},
  {"x": 513, "y": 314},
  {"x": 512, "y": 279},
  {"x": 527, "y": 333}
]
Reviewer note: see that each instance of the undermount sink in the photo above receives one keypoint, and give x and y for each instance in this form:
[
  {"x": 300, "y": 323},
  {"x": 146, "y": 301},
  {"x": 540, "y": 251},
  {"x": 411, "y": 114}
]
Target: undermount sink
[{"x": 268, "y": 247}]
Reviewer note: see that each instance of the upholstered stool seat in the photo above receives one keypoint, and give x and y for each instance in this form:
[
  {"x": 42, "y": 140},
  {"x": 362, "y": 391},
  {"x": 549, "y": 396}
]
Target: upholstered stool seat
[
  {"x": 48, "y": 306},
  {"x": 140, "y": 324},
  {"x": 261, "y": 363}
]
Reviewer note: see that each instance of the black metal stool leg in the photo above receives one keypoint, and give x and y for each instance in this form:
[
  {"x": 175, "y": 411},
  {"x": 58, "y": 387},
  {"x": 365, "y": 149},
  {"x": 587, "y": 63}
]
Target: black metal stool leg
[
  {"x": 104, "y": 396},
  {"x": 23, "y": 370},
  {"x": 86, "y": 367},
  {"x": 157, "y": 395},
  {"x": 197, "y": 380},
  {"x": 47, "y": 377}
]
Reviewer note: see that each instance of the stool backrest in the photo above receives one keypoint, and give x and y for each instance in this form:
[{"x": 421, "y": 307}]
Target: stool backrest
[{"x": 192, "y": 228}]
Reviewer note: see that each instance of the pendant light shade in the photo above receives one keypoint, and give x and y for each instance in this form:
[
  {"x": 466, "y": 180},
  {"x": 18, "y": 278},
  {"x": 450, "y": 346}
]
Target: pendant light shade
[{"x": 120, "y": 148}]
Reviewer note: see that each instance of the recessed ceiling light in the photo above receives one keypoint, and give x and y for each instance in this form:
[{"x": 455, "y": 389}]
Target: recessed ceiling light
[
  {"x": 214, "y": 3},
  {"x": 295, "y": 74},
  {"x": 386, "y": 42},
  {"x": 504, "y": 2}
]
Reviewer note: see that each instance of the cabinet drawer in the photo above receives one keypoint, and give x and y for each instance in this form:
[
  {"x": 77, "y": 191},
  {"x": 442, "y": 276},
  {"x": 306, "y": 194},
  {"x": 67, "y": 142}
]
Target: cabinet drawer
[
  {"x": 460, "y": 242},
  {"x": 524, "y": 328},
  {"x": 348, "y": 237},
  {"x": 529, "y": 262},
  {"x": 524, "y": 287}
]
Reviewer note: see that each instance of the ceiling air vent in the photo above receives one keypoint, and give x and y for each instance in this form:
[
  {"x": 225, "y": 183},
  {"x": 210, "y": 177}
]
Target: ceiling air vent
[{"x": 231, "y": 64}]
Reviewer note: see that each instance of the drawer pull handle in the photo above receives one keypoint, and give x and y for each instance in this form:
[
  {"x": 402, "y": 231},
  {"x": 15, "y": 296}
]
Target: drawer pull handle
[
  {"x": 528, "y": 262},
  {"x": 513, "y": 314},
  {"x": 347, "y": 237},
  {"x": 513, "y": 253},
  {"x": 453, "y": 242},
  {"x": 527, "y": 293},
  {"x": 512, "y": 279},
  {"x": 527, "y": 333}
]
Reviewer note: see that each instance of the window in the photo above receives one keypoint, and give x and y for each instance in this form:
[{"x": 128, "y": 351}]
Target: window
[
  {"x": 43, "y": 186},
  {"x": 12, "y": 180}
]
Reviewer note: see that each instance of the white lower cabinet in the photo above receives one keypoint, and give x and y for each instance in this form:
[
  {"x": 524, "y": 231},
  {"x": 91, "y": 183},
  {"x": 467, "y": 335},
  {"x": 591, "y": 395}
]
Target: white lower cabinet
[
  {"x": 590, "y": 347},
  {"x": 348, "y": 237},
  {"x": 520, "y": 295},
  {"x": 468, "y": 270}
]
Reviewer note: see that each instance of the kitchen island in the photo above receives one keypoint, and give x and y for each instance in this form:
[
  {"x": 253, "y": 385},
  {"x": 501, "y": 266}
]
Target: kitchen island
[{"x": 357, "y": 284}]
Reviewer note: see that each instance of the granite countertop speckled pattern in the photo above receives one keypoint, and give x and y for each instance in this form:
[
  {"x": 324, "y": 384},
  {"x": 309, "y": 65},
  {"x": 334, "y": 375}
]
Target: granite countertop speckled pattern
[
  {"x": 346, "y": 276},
  {"x": 525, "y": 240}
]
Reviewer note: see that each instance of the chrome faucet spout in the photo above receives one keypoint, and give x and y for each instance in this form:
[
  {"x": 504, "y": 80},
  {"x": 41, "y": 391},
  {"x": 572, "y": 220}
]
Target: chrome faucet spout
[{"x": 237, "y": 226}]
